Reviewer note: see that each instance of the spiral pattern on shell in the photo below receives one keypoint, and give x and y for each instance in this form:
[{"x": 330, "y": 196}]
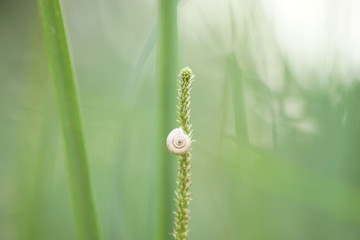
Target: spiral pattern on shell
[{"x": 178, "y": 142}]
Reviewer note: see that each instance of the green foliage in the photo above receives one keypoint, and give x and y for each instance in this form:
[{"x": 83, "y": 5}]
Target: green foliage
[
  {"x": 277, "y": 135},
  {"x": 167, "y": 61},
  {"x": 69, "y": 112},
  {"x": 182, "y": 214}
]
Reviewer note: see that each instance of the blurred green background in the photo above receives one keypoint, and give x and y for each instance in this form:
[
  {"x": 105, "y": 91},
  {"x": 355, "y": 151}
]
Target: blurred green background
[{"x": 275, "y": 112}]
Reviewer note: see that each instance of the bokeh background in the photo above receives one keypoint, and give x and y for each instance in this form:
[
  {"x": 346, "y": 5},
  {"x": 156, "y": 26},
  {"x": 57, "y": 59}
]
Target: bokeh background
[{"x": 275, "y": 112}]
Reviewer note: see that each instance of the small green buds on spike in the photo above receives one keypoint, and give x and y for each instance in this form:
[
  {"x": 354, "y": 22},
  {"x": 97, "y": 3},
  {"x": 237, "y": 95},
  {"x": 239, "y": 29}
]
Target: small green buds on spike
[
  {"x": 186, "y": 73},
  {"x": 182, "y": 213}
]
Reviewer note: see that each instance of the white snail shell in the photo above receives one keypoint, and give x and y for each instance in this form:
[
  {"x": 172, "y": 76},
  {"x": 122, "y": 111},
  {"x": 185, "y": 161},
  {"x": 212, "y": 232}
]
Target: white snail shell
[{"x": 178, "y": 142}]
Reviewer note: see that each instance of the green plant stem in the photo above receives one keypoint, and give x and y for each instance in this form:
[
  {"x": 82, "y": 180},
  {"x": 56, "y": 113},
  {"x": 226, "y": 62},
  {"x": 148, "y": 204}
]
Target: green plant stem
[
  {"x": 183, "y": 198},
  {"x": 167, "y": 69},
  {"x": 68, "y": 109},
  {"x": 236, "y": 75}
]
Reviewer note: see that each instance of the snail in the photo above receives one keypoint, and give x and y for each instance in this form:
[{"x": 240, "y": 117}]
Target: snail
[{"x": 178, "y": 142}]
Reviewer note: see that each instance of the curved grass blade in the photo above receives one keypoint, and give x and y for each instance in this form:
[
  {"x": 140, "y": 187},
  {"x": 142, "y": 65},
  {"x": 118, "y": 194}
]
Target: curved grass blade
[{"x": 68, "y": 109}]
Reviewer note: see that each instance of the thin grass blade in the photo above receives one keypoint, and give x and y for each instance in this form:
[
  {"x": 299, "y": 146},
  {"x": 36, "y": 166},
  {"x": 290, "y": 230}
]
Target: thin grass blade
[{"x": 69, "y": 112}]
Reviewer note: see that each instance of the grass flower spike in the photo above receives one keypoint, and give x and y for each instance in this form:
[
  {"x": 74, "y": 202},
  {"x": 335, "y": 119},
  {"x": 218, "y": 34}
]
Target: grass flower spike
[{"x": 183, "y": 178}]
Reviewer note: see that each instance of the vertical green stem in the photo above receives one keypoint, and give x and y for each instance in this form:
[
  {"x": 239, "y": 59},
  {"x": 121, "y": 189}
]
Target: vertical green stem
[
  {"x": 68, "y": 108},
  {"x": 167, "y": 67},
  {"x": 236, "y": 75},
  {"x": 183, "y": 179}
]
